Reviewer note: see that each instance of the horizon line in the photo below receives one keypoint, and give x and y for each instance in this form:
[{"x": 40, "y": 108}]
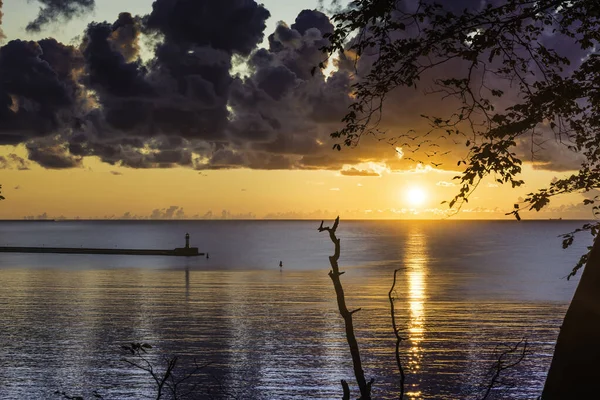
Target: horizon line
[{"x": 285, "y": 219}]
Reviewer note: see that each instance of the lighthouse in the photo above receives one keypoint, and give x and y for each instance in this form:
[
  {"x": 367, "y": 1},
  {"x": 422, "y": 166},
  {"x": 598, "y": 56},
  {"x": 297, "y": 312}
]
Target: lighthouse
[{"x": 187, "y": 251}]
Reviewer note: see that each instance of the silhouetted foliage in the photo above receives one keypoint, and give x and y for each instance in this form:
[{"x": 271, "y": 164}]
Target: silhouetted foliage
[
  {"x": 169, "y": 382},
  {"x": 1, "y": 197},
  {"x": 172, "y": 380},
  {"x": 500, "y": 45}
]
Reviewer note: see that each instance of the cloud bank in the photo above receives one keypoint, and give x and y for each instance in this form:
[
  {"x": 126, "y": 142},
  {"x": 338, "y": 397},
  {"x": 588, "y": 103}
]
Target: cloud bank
[{"x": 185, "y": 105}]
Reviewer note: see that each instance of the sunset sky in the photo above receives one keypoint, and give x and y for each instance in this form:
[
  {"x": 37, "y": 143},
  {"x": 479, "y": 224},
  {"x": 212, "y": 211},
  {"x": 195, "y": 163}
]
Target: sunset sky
[{"x": 221, "y": 122}]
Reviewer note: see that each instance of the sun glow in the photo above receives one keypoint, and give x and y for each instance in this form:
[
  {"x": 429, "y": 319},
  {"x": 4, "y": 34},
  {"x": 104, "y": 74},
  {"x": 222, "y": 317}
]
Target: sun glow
[{"x": 416, "y": 197}]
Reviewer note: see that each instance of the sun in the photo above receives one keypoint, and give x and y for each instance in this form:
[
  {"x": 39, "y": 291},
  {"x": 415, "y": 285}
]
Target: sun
[{"x": 416, "y": 196}]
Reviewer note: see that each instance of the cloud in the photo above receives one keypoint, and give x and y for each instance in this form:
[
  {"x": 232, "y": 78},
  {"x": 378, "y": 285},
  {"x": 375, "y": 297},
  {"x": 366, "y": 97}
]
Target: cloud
[
  {"x": 551, "y": 154},
  {"x": 17, "y": 187},
  {"x": 335, "y": 189},
  {"x": 445, "y": 184},
  {"x": 2, "y": 35},
  {"x": 482, "y": 210},
  {"x": 231, "y": 26},
  {"x": 358, "y": 172},
  {"x": 43, "y": 216},
  {"x": 184, "y": 106},
  {"x": 116, "y": 173},
  {"x": 127, "y": 215},
  {"x": 13, "y": 161},
  {"x": 125, "y": 36},
  {"x": 53, "y": 10},
  {"x": 289, "y": 215},
  {"x": 173, "y": 212},
  {"x": 39, "y": 91},
  {"x": 225, "y": 214},
  {"x": 424, "y": 169},
  {"x": 52, "y": 155}
]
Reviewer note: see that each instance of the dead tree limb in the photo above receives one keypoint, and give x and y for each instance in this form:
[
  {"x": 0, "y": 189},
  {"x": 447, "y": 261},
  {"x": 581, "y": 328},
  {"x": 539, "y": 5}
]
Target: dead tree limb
[
  {"x": 167, "y": 382},
  {"x": 334, "y": 274},
  {"x": 345, "y": 390},
  {"x": 507, "y": 359},
  {"x": 397, "y": 334}
]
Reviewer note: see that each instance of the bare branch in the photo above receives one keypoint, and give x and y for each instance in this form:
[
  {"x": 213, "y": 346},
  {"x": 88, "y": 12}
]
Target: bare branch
[
  {"x": 397, "y": 334},
  {"x": 507, "y": 359},
  {"x": 334, "y": 274}
]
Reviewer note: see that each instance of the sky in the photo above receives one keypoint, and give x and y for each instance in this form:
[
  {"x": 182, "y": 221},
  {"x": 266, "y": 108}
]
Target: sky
[{"x": 220, "y": 118}]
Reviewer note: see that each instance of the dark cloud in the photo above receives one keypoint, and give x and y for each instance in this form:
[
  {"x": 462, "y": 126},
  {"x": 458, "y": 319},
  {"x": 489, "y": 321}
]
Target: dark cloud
[
  {"x": 125, "y": 36},
  {"x": 235, "y": 26},
  {"x": 2, "y": 35},
  {"x": 107, "y": 68},
  {"x": 270, "y": 161},
  {"x": 117, "y": 173},
  {"x": 276, "y": 81},
  {"x": 311, "y": 19},
  {"x": 283, "y": 37},
  {"x": 276, "y": 107},
  {"x": 331, "y": 100},
  {"x": 181, "y": 108},
  {"x": 358, "y": 172},
  {"x": 299, "y": 50},
  {"x": 182, "y": 93},
  {"x": 226, "y": 158},
  {"x": 549, "y": 154},
  {"x": 37, "y": 89},
  {"x": 53, "y": 10},
  {"x": 52, "y": 154},
  {"x": 324, "y": 161},
  {"x": 184, "y": 106}
]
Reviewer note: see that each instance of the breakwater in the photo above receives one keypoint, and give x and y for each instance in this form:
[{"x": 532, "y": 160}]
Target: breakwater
[{"x": 179, "y": 252}]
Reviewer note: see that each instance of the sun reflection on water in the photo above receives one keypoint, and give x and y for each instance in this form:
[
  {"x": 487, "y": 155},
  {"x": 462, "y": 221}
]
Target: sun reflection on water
[{"x": 415, "y": 261}]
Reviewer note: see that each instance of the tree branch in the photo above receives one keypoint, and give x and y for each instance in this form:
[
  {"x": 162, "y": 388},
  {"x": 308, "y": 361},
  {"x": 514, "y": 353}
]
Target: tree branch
[
  {"x": 397, "y": 334},
  {"x": 334, "y": 274}
]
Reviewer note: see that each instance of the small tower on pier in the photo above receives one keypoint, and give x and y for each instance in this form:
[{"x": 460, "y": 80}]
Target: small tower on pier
[{"x": 187, "y": 251}]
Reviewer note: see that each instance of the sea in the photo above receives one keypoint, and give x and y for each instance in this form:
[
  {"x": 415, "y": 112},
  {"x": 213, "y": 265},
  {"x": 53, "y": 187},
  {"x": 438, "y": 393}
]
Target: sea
[{"x": 243, "y": 327}]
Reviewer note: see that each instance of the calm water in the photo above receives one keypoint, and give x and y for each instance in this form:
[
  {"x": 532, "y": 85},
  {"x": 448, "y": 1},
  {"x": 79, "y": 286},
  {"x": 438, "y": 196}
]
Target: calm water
[{"x": 465, "y": 290}]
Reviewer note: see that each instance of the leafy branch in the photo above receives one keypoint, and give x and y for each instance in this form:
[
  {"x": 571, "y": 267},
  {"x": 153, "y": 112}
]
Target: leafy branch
[{"x": 478, "y": 57}]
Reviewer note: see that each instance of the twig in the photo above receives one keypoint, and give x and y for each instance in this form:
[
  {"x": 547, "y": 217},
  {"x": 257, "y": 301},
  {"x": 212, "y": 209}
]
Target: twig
[
  {"x": 503, "y": 363},
  {"x": 397, "y": 334}
]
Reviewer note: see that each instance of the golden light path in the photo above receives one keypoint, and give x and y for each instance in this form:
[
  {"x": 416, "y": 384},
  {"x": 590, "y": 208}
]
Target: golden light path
[{"x": 416, "y": 272}]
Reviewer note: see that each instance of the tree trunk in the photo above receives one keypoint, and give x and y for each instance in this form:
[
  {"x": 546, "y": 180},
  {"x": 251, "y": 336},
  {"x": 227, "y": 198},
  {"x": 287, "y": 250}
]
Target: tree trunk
[{"x": 575, "y": 368}]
